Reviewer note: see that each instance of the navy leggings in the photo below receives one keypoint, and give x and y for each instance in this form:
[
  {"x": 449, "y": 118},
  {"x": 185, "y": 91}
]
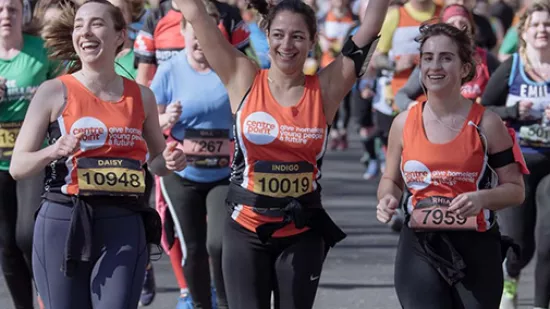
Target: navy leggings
[
  {"x": 114, "y": 276},
  {"x": 19, "y": 201}
]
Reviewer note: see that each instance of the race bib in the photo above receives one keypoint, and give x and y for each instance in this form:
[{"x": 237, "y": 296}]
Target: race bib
[
  {"x": 432, "y": 214},
  {"x": 535, "y": 135},
  {"x": 8, "y": 134},
  {"x": 110, "y": 176},
  {"x": 207, "y": 148},
  {"x": 282, "y": 179}
]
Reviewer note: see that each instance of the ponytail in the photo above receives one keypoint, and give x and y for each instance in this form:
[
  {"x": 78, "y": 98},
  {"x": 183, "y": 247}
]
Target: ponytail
[
  {"x": 58, "y": 39},
  {"x": 58, "y": 34}
]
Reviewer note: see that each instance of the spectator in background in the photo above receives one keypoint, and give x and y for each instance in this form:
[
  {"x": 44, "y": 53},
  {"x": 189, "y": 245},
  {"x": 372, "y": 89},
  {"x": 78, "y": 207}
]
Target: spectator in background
[
  {"x": 258, "y": 39},
  {"x": 485, "y": 36}
]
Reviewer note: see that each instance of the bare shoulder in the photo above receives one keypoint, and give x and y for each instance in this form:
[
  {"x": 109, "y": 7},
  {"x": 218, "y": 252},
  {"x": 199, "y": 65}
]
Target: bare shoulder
[
  {"x": 148, "y": 99},
  {"x": 496, "y": 132},
  {"x": 146, "y": 93},
  {"x": 491, "y": 123},
  {"x": 49, "y": 89},
  {"x": 49, "y": 98},
  {"x": 399, "y": 122}
]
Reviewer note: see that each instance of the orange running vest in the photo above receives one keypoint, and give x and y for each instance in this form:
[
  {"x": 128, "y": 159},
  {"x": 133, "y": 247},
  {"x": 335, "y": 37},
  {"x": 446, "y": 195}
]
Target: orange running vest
[
  {"x": 113, "y": 151},
  {"x": 278, "y": 149},
  {"x": 448, "y": 169}
]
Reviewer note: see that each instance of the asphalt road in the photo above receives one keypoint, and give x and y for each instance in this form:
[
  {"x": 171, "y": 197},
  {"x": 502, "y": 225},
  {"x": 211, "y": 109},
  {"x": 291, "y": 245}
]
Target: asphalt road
[{"x": 358, "y": 273}]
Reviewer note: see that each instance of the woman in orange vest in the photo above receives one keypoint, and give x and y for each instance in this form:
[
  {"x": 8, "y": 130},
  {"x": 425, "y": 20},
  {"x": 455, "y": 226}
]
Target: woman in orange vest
[
  {"x": 457, "y": 161},
  {"x": 92, "y": 230},
  {"x": 278, "y": 234}
]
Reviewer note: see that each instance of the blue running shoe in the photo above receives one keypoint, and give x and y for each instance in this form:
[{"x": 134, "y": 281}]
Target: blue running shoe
[
  {"x": 214, "y": 299},
  {"x": 149, "y": 289},
  {"x": 185, "y": 302}
]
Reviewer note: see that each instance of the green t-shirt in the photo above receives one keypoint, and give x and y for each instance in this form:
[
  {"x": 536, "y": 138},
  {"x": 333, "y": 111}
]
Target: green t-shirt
[
  {"x": 23, "y": 74},
  {"x": 510, "y": 42},
  {"x": 124, "y": 66}
]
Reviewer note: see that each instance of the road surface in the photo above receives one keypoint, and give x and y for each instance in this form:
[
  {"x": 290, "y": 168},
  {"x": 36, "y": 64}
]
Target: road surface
[{"x": 358, "y": 273}]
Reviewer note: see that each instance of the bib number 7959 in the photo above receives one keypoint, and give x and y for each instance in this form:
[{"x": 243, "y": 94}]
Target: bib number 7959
[{"x": 440, "y": 218}]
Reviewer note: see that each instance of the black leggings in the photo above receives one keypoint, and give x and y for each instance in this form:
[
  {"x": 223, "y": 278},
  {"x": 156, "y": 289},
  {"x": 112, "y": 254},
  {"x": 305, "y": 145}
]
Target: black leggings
[
  {"x": 190, "y": 203},
  {"x": 343, "y": 115},
  {"x": 289, "y": 266},
  {"x": 420, "y": 286},
  {"x": 18, "y": 202},
  {"x": 542, "y": 267},
  {"x": 521, "y": 223}
]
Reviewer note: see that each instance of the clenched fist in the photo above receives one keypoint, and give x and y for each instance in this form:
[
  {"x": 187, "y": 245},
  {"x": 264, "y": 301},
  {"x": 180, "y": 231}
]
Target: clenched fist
[
  {"x": 175, "y": 158},
  {"x": 386, "y": 208},
  {"x": 173, "y": 110},
  {"x": 66, "y": 145}
]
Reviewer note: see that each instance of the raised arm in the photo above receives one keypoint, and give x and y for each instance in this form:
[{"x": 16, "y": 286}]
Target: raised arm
[
  {"x": 27, "y": 158},
  {"x": 338, "y": 77},
  {"x": 235, "y": 69}
]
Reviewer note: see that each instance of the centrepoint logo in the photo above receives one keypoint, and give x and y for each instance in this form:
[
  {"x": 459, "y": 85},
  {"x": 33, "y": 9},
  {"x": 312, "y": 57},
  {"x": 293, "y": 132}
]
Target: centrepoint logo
[
  {"x": 95, "y": 132},
  {"x": 261, "y": 128},
  {"x": 417, "y": 175}
]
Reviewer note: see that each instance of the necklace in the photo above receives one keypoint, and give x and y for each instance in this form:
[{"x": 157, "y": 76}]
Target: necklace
[
  {"x": 442, "y": 123},
  {"x": 273, "y": 82}
]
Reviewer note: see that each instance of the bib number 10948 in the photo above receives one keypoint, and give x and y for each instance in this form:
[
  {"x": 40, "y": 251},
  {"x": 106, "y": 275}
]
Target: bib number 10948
[{"x": 110, "y": 176}]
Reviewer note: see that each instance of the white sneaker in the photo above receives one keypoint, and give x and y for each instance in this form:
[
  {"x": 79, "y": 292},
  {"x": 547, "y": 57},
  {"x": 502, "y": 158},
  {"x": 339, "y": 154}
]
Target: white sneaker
[
  {"x": 509, "y": 298},
  {"x": 372, "y": 170}
]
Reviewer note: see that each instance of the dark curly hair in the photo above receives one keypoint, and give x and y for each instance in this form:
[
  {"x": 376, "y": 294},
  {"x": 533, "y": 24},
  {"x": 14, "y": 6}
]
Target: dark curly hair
[
  {"x": 269, "y": 12},
  {"x": 462, "y": 39}
]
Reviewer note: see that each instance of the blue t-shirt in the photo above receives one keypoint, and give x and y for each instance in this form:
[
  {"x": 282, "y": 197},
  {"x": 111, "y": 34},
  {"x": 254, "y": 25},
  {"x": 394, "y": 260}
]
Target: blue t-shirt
[
  {"x": 206, "y": 117},
  {"x": 261, "y": 47}
]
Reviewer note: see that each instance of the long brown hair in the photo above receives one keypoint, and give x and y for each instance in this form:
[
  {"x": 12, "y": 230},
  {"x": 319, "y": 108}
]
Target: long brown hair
[
  {"x": 59, "y": 39},
  {"x": 38, "y": 22}
]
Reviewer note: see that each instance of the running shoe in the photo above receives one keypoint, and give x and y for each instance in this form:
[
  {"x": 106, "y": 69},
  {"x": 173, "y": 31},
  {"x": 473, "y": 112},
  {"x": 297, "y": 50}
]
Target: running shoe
[
  {"x": 214, "y": 299},
  {"x": 343, "y": 142},
  {"x": 334, "y": 142},
  {"x": 185, "y": 301},
  {"x": 372, "y": 170},
  {"x": 509, "y": 298},
  {"x": 148, "y": 291},
  {"x": 40, "y": 302}
]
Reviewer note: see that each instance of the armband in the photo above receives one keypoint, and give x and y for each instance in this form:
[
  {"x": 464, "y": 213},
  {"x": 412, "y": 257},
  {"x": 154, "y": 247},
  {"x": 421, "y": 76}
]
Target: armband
[
  {"x": 360, "y": 56},
  {"x": 510, "y": 155}
]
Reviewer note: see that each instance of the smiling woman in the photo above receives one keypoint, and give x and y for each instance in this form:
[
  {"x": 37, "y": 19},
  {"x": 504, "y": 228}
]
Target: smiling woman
[
  {"x": 278, "y": 234},
  {"x": 101, "y": 128},
  {"x": 456, "y": 160}
]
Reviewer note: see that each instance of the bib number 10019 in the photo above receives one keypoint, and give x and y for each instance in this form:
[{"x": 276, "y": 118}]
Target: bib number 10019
[{"x": 285, "y": 185}]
